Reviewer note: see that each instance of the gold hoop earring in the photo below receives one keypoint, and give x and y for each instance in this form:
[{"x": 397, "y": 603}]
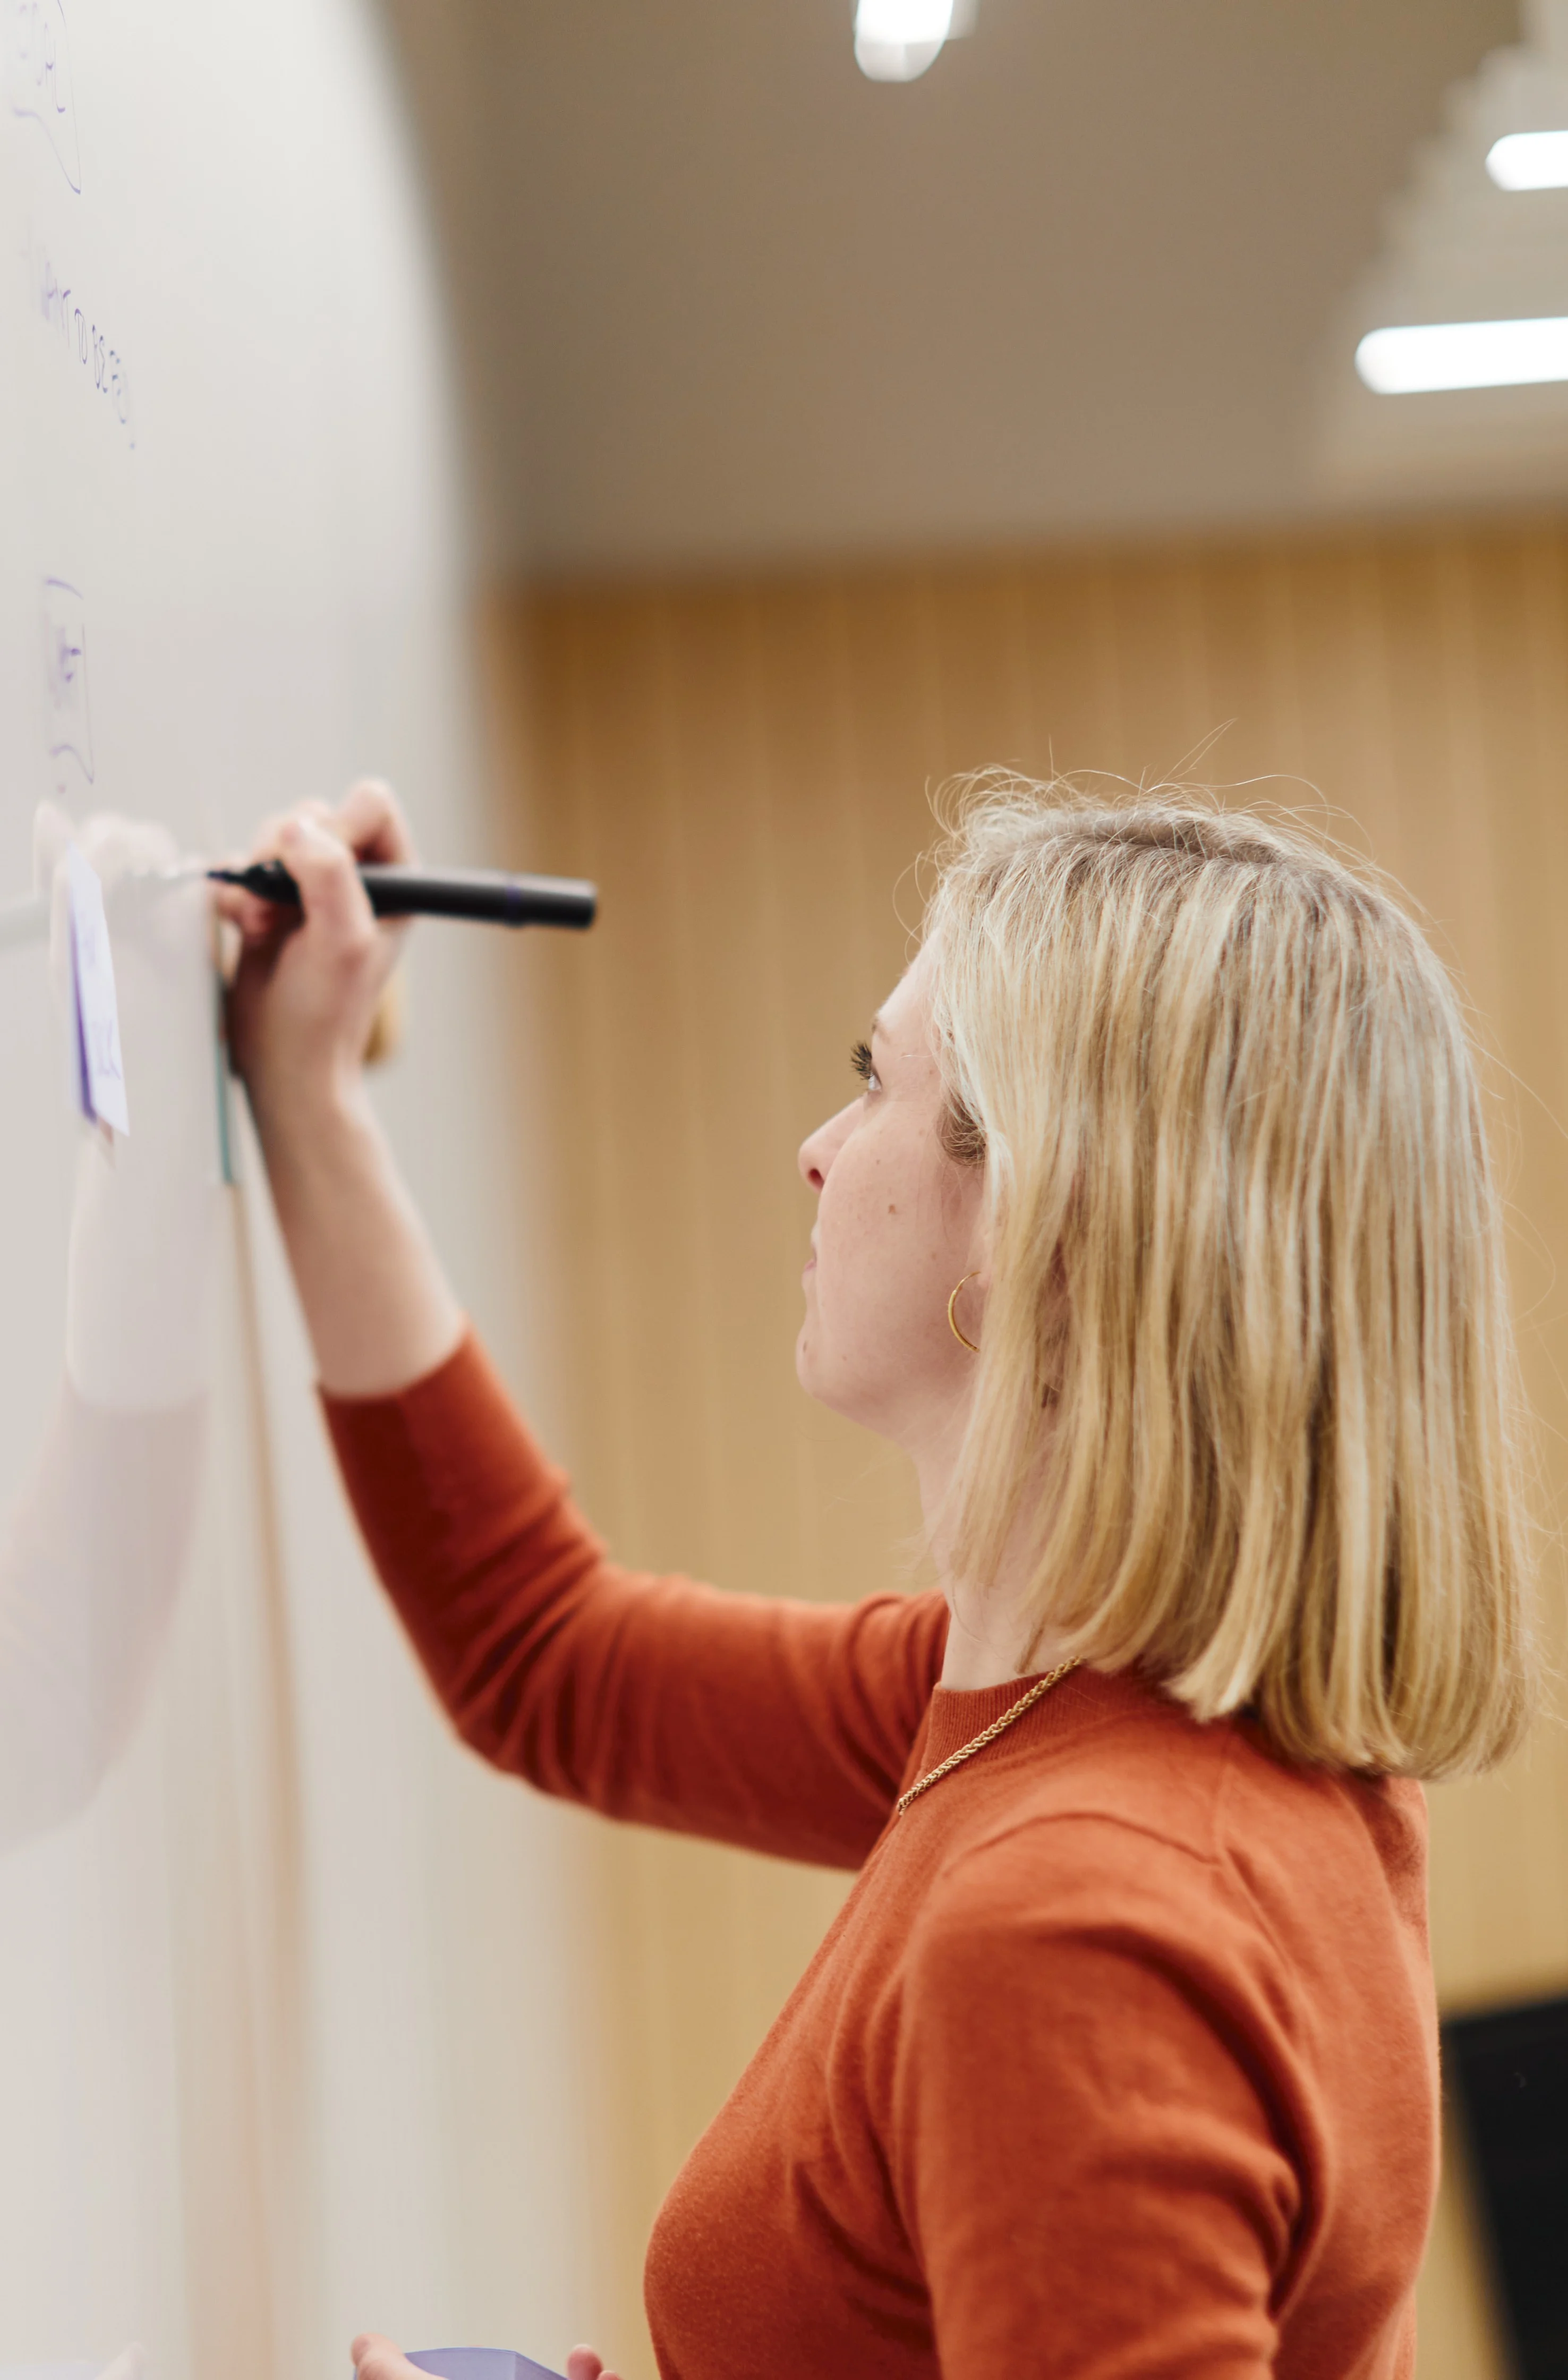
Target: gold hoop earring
[{"x": 953, "y": 1319}]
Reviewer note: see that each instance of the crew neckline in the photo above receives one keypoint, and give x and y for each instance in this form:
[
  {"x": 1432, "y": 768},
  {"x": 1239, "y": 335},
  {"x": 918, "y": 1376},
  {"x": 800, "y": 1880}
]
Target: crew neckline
[{"x": 1082, "y": 1699}]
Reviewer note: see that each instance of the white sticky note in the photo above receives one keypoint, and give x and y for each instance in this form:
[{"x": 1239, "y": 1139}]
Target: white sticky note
[{"x": 98, "y": 1068}]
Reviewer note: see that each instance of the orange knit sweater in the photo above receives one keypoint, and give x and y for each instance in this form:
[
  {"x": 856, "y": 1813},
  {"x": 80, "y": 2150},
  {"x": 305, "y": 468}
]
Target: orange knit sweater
[{"x": 1119, "y": 2062}]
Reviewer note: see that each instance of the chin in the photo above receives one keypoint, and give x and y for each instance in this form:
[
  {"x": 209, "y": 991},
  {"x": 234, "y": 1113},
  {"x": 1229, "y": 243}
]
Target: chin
[{"x": 837, "y": 1396}]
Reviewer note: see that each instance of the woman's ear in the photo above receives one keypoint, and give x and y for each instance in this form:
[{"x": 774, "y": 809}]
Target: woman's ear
[{"x": 962, "y": 1137}]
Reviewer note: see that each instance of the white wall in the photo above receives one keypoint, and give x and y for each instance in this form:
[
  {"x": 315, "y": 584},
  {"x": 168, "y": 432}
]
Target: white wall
[{"x": 285, "y": 2038}]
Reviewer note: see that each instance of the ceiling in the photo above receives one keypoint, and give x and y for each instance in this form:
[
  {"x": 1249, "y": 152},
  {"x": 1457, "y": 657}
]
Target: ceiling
[{"x": 722, "y": 300}]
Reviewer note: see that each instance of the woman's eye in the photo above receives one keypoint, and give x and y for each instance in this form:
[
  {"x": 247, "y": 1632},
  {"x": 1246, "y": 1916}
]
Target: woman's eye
[{"x": 860, "y": 1059}]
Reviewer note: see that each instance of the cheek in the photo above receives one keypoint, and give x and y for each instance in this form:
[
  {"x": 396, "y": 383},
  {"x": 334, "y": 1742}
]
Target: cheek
[
  {"x": 891, "y": 1241},
  {"x": 863, "y": 1243}
]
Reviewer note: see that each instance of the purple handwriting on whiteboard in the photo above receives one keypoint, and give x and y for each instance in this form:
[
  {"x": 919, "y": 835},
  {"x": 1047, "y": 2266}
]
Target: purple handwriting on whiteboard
[
  {"x": 64, "y": 667},
  {"x": 81, "y": 339},
  {"x": 38, "y": 77}
]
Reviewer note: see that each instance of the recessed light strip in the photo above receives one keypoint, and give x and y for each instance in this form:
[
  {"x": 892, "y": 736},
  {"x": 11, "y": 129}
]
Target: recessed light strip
[
  {"x": 896, "y": 41},
  {"x": 1411, "y": 358},
  {"x": 1529, "y": 161}
]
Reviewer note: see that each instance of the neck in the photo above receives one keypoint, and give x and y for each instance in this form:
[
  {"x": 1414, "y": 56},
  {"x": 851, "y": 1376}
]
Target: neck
[{"x": 990, "y": 1639}]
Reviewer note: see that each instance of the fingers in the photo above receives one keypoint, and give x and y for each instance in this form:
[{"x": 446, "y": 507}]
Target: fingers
[
  {"x": 376, "y": 2359},
  {"x": 370, "y": 820},
  {"x": 329, "y": 891},
  {"x": 332, "y": 897},
  {"x": 257, "y": 920}
]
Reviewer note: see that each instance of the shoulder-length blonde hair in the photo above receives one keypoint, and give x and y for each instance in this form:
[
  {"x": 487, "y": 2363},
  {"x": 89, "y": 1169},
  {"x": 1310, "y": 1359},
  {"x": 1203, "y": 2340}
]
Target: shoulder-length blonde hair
[{"x": 1245, "y": 1245}]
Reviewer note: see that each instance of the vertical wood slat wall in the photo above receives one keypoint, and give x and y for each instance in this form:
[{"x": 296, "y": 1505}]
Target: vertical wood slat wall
[{"x": 744, "y": 766}]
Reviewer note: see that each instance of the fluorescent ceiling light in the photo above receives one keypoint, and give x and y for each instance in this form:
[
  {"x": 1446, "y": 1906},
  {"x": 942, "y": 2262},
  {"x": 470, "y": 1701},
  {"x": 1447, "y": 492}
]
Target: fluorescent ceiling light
[
  {"x": 896, "y": 39},
  {"x": 1529, "y": 161},
  {"x": 1419, "y": 356}
]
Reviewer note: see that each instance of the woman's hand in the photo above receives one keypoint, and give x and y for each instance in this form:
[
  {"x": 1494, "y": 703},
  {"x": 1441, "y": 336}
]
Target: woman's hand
[
  {"x": 377, "y": 2359},
  {"x": 378, "y": 1309},
  {"x": 305, "y": 994}
]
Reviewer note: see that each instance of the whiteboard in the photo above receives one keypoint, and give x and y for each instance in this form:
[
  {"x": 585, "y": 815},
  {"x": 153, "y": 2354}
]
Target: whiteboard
[
  {"x": 228, "y": 558},
  {"x": 231, "y": 574}
]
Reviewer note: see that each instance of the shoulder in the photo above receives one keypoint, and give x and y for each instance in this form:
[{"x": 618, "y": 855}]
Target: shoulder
[
  {"x": 906, "y": 1634},
  {"x": 1191, "y": 1845},
  {"x": 882, "y": 1656}
]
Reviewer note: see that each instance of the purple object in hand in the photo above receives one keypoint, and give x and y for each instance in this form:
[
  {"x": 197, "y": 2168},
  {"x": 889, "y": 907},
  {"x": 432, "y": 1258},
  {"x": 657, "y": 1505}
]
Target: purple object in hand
[{"x": 480, "y": 2363}]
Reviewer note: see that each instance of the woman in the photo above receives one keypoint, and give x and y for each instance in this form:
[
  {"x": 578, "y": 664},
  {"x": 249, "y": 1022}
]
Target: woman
[{"x": 1161, "y": 1235}]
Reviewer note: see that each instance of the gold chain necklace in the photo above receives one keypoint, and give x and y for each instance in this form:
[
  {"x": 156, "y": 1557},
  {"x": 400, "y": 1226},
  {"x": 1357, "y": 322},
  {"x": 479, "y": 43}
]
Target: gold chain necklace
[{"x": 987, "y": 1734}]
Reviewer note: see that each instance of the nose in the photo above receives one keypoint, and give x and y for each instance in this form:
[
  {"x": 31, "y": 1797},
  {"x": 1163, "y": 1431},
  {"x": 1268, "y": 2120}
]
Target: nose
[{"x": 817, "y": 1153}]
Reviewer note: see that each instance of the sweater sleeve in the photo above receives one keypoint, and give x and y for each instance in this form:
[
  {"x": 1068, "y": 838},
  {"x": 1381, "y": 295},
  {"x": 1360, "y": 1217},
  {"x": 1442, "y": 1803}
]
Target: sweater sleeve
[
  {"x": 785, "y": 1727},
  {"x": 1088, "y": 2154}
]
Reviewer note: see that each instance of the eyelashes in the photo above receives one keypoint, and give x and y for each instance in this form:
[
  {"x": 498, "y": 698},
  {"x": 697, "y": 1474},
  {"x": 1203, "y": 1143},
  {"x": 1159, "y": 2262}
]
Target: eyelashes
[{"x": 860, "y": 1059}]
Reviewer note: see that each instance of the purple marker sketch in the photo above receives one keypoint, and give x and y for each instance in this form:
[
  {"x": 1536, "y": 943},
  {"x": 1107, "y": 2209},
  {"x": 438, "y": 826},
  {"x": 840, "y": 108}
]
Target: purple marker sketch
[
  {"x": 39, "y": 81},
  {"x": 82, "y": 338},
  {"x": 65, "y": 661}
]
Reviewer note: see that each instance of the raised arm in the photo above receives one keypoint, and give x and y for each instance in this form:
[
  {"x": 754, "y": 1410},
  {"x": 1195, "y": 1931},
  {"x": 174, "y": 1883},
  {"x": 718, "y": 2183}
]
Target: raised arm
[
  {"x": 784, "y": 1726},
  {"x": 377, "y": 1303}
]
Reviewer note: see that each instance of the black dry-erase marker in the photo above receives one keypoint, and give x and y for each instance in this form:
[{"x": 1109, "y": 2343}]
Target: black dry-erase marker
[{"x": 485, "y": 894}]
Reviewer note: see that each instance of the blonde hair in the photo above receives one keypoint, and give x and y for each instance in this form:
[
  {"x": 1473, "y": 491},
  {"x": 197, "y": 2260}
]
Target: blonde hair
[{"x": 1246, "y": 1246}]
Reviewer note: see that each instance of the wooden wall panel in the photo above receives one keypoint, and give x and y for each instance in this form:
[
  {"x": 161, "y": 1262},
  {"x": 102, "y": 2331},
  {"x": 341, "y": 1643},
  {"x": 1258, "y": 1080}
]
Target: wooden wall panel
[{"x": 745, "y": 767}]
